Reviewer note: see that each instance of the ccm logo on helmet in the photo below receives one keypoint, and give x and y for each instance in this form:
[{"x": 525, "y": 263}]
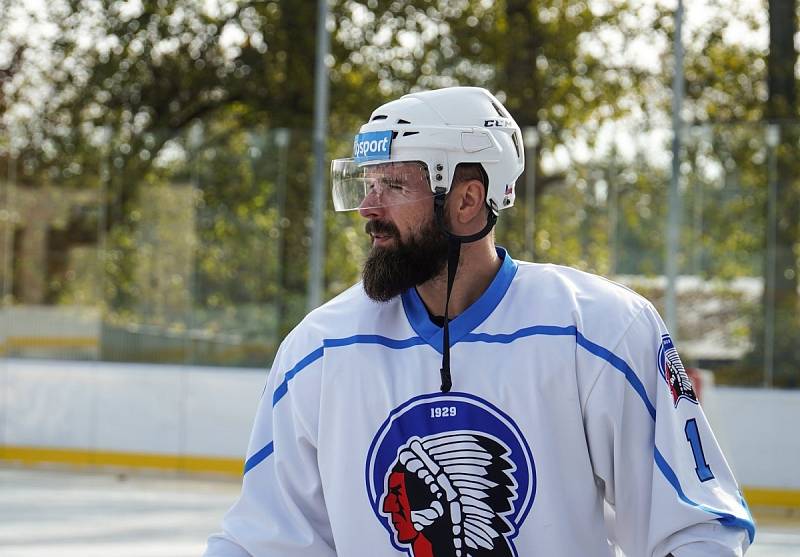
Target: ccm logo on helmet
[
  {"x": 372, "y": 146},
  {"x": 499, "y": 123}
]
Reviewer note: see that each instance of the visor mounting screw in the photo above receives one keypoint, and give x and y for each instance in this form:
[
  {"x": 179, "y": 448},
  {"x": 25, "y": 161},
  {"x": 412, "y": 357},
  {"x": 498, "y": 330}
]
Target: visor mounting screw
[
  {"x": 439, "y": 167},
  {"x": 438, "y": 177}
]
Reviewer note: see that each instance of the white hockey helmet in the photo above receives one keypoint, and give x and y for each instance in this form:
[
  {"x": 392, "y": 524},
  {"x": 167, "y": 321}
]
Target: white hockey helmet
[{"x": 439, "y": 129}]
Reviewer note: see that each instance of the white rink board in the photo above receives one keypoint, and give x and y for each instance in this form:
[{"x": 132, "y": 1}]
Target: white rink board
[
  {"x": 101, "y": 406},
  {"x": 208, "y": 412},
  {"x": 759, "y": 431}
]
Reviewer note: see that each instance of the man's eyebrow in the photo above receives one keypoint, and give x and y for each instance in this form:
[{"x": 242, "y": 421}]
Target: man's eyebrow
[{"x": 391, "y": 180}]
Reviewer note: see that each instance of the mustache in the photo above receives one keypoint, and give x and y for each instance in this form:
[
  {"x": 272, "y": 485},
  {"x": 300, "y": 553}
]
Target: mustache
[{"x": 381, "y": 227}]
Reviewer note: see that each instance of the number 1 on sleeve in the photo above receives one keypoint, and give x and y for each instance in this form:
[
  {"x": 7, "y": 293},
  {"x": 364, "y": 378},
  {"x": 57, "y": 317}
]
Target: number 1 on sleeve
[{"x": 693, "y": 436}]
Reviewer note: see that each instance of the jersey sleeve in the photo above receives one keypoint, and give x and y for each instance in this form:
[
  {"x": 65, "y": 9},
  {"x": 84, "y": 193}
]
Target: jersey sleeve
[
  {"x": 655, "y": 456},
  {"x": 281, "y": 509}
]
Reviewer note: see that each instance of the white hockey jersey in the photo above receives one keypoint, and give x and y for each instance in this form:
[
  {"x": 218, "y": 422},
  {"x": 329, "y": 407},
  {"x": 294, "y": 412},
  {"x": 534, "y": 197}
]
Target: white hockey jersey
[{"x": 572, "y": 430}]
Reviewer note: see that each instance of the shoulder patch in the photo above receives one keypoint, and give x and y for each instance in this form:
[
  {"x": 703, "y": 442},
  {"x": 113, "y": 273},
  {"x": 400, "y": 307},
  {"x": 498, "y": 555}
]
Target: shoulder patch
[{"x": 673, "y": 372}]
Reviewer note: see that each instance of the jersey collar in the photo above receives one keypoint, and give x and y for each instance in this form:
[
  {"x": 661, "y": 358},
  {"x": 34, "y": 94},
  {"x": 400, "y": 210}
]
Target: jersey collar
[{"x": 467, "y": 321}]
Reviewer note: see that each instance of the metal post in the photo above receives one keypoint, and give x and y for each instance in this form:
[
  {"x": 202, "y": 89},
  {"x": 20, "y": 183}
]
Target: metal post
[
  {"x": 282, "y": 140},
  {"x": 195, "y": 140},
  {"x": 7, "y": 221},
  {"x": 8, "y": 216},
  {"x": 317, "y": 260},
  {"x": 674, "y": 217},
  {"x": 698, "y": 207},
  {"x": 531, "y": 138},
  {"x": 612, "y": 201},
  {"x": 773, "y": 138},
  {"x": 102, "y": 220},
  {"x": 697, "y": 244}
]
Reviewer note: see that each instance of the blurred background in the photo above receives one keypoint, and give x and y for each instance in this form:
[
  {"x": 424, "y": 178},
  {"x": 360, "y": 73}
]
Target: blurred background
[{"x": 163, "y": 226}]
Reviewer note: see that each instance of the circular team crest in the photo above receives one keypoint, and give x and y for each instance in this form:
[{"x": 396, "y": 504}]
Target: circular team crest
[{"x": 450, "y": 475}]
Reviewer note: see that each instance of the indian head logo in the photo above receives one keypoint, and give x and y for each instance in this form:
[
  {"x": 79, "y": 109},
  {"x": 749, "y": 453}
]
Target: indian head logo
[
  {"x": 450, "y": 475},
  {"x": 673, "y": 372}
]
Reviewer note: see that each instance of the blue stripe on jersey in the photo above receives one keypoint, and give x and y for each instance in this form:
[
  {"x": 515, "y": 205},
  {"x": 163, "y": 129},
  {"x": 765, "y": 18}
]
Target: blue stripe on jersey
[
  {"x": 258, "y": 457},
  {"x": 582, "y": 341},
  {"x": 283, "y": 388},
  {"x": 392, "y": 343},
  {"x": 622, "y": 366},
  {"x": 395, "y": 344},
  {"x": 726, "y": 519}
]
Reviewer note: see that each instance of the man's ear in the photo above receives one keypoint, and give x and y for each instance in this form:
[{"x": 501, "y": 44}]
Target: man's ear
[{"x": 470, "y": 200}]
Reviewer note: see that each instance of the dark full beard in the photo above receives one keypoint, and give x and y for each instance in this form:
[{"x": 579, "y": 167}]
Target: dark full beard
[{"x": 390, "y": 271}]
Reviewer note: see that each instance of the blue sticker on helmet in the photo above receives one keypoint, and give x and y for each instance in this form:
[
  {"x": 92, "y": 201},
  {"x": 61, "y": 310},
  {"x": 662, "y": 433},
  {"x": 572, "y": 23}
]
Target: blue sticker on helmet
[{"x": 372, "y": 146}]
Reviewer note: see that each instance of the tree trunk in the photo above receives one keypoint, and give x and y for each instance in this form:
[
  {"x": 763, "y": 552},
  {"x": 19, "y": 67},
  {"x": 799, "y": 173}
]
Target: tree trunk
[{"x": 782, "y": 110}]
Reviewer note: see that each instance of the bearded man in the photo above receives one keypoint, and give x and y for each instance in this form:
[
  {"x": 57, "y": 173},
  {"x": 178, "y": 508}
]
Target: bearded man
[{"x": 460, "y": 403}]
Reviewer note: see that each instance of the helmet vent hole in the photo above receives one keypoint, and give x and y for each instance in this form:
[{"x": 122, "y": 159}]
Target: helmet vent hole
[
  {"x": 379, "y": 117},
  {"x": 409, "y": 133},
  {"x": 516, "y": 143},
  {"x": 497, "y": 109},
  {"x": 401, "y": 121}
]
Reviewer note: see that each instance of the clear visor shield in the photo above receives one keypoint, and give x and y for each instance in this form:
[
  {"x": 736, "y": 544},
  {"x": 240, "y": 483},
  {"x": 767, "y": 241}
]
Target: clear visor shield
[{"x": 378, "y": 185}]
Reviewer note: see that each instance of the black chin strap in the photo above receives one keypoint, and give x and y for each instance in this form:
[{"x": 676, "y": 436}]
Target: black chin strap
[{"x": 453, "y": 254}]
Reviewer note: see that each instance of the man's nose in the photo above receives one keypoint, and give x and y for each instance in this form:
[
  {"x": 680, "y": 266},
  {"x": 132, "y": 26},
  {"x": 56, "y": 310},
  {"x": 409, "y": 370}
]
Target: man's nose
[
  {"x": 390, "y": 504},
  {"x": 370, "y": 207}
]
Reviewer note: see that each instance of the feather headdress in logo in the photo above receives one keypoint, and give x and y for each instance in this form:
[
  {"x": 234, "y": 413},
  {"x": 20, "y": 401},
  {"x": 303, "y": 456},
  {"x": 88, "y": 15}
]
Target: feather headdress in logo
[{"x": 469, "y": 476}]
